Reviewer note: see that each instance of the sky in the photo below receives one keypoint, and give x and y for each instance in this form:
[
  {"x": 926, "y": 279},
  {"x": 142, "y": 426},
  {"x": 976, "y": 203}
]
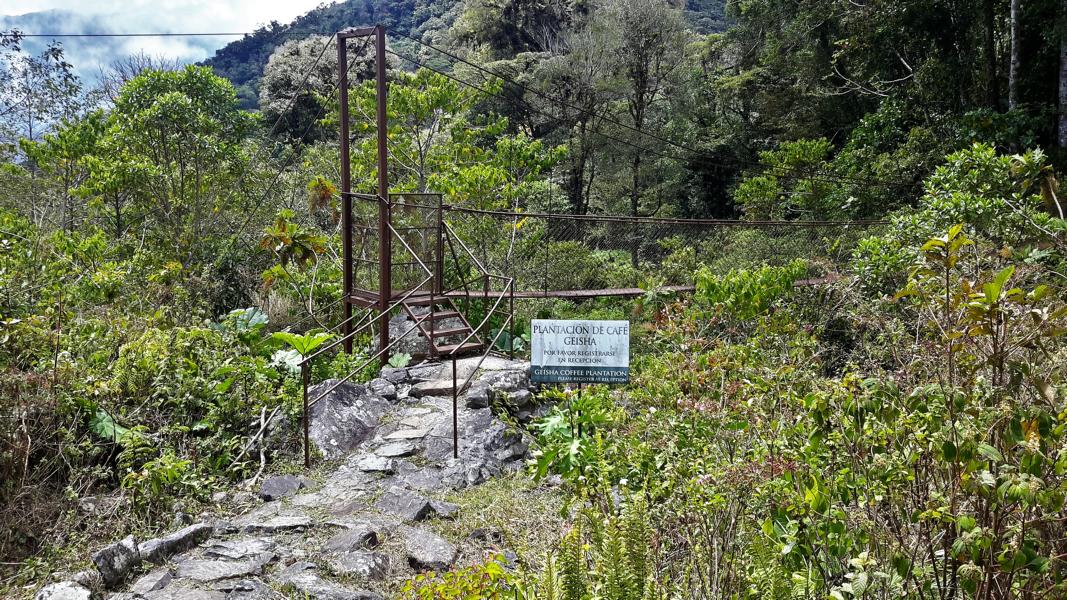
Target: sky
[{"x": 143, "y": 16}]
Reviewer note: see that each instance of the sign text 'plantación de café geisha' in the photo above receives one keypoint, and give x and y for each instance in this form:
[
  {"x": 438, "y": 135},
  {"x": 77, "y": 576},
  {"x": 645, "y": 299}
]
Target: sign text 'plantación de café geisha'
[{"x": 580, "y": 351}]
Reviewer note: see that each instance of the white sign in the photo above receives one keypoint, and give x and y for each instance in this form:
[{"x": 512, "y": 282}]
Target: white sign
[{"x": 580, "y": 351}]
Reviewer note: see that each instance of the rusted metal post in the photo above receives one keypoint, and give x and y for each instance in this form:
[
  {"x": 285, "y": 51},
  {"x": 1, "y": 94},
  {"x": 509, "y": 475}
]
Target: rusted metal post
[
  {"x": 385, "y": 236},
  {"x": 346, "y": 191},
  {"x": 455, "y": 411},
  {"x": 305, "y": 376},
  {"x": 439, "y": 259},
  {"x": 511, "y": 323}
]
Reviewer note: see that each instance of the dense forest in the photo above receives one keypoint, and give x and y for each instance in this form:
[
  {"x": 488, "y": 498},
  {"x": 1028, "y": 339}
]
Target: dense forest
[{"x": 170, "y": 251}]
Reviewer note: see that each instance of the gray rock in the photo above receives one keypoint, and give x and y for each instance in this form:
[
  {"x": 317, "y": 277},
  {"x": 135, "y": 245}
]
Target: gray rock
[
  {"x": 214, "y": 570},
  {"x": 154, "y": 580},
  {"x": 240, "y": 549},
  {"x": 373, "y": 463},
  {"x": 436, "y": 387},
  {"x": 368, "y": 565},
  {"x": 89, "y": 578},
  {"x": 521, "y": 398},
  {"x": 427, "y": 551},
  {"x": 383, "y": 388},
  {"x": 397, "y": 449},
  {"x": 185, "y": 593},
  {"x": 477, "y": 395},
  {"x": 408, "y": 434},
  {"x": 344, "y": 418},
  {"x": 487, "y": 535},
  {"x": 515, "y": 451},
  {"x": 115, "y": 561},
  {"x": 503, "y": 384},
  {"x": 279, "y": 523},
  {"x": 64, "y": 590},
  {"x": 393, "y": 375},
  {"x": 446, "y": 510},
  {"x": 160, "y": 549},
  {"x": 359, "y": 537},
  {"x": 404, "y": 503},
  {"x": 304, "y": 578},
  {"x": 280, "y": 486},
  {"x": 424, "y": 372}
]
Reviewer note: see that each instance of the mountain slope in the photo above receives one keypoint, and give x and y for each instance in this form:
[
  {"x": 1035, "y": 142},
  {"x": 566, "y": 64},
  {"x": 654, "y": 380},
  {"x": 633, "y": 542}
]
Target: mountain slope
[{"x": 242, "y": 61}]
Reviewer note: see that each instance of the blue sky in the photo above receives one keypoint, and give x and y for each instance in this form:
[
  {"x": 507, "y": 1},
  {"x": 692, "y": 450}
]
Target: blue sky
[{"x": 138, "y": 16}]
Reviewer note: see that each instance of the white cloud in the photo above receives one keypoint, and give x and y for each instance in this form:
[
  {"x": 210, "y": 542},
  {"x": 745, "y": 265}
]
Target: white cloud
[
  {"x": 89, "y": 55},
  {"x": 174, "y": 15}
]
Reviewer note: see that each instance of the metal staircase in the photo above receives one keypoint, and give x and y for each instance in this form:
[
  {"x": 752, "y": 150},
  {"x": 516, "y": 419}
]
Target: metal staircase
[{"x": 446, "y": 328}]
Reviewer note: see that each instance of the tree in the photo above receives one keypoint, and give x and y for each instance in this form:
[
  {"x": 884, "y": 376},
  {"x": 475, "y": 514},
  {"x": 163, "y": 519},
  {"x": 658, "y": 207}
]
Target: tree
[
  {"x": 36, "y": 92},
  {"x": 300, "y": 76},
  {"x": 122, "y": 71},
  {"x": 1016, "y": 64},
  {"x": 175, "y": 141},
  {"x": 581, "y": 75}
]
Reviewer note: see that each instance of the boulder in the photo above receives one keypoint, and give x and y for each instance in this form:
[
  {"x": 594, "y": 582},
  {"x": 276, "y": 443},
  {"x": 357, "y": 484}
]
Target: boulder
[
  {"x": 427, "y": 551},
  {"x": 115, "y": 561},
  {"x": 344, "y": 418},
  {"x": 280, "y": 486},
  {"x": 445, "y": 510},
  {"x": 158, "y": 550},
  {"x": 64, "y": 590}
]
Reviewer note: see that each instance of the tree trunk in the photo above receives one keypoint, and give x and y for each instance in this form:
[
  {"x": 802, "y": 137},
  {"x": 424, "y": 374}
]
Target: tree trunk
[
  {"x": 635, "y": 195},
  {"x": 1015, "y": 67},
  {"x": 990, "y": 22},
  {"x": 1061, "y": 136}
]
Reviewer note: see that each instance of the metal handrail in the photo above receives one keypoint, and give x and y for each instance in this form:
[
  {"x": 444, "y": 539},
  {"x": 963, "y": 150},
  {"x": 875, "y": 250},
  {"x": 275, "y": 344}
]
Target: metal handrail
[
  {"x": 352, "y": 335},
  {"x": 478, "y": 263},
  {"x": 508, "y": 288}
]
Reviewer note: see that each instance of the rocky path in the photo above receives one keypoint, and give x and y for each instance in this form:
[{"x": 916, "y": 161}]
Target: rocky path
[{"x": 366, "y": 524}]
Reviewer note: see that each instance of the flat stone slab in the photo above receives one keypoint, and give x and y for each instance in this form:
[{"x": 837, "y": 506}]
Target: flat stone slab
[
  {"x": 408, "y": 434},
  {"x": 64, "y": 590},
  {"x": 359, "y": 536},
  {"x": 397, "y": 449},
  {"x": 427, "y": 551},
  {"x": 160, "y": 549},
  {"x": 304, "y": 578},
  {"x": 153, "y": 581},
  {"x": 240, "y": 549},
  {"x": 372, "y": 463},
  {"x": 404, "y": 503},
  {"x": 280, "y": 486},
  {"x": 214, "y": 570},
  {"x": 279, "y": 523},
  {"x": 185, "y": 593},
  {"x": 368, "y": 565}
]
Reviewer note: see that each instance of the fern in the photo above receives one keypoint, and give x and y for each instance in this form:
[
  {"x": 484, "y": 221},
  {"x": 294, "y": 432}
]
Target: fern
[
  {"x": 571, "y": 567},
  {"x": 613, "y": 569},
  {"x": 637, "y": 532}
]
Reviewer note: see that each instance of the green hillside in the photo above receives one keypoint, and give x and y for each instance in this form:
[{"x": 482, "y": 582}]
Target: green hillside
[{"x": 242, "y": 61}]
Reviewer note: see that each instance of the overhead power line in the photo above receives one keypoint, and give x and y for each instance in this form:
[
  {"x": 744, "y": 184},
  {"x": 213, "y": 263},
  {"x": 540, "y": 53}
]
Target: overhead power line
[
  {"x": 795, "y": 175},
  {"x": 604, "y": 117}
]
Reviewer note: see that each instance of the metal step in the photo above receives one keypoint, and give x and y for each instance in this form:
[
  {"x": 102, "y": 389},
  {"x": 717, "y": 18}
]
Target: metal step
[
  {"x": 444, "y": 314},
  {"x": 468, "y": 347},
  {"x": 438, "y": 333},
  {"x": 425, "y": 300}
]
